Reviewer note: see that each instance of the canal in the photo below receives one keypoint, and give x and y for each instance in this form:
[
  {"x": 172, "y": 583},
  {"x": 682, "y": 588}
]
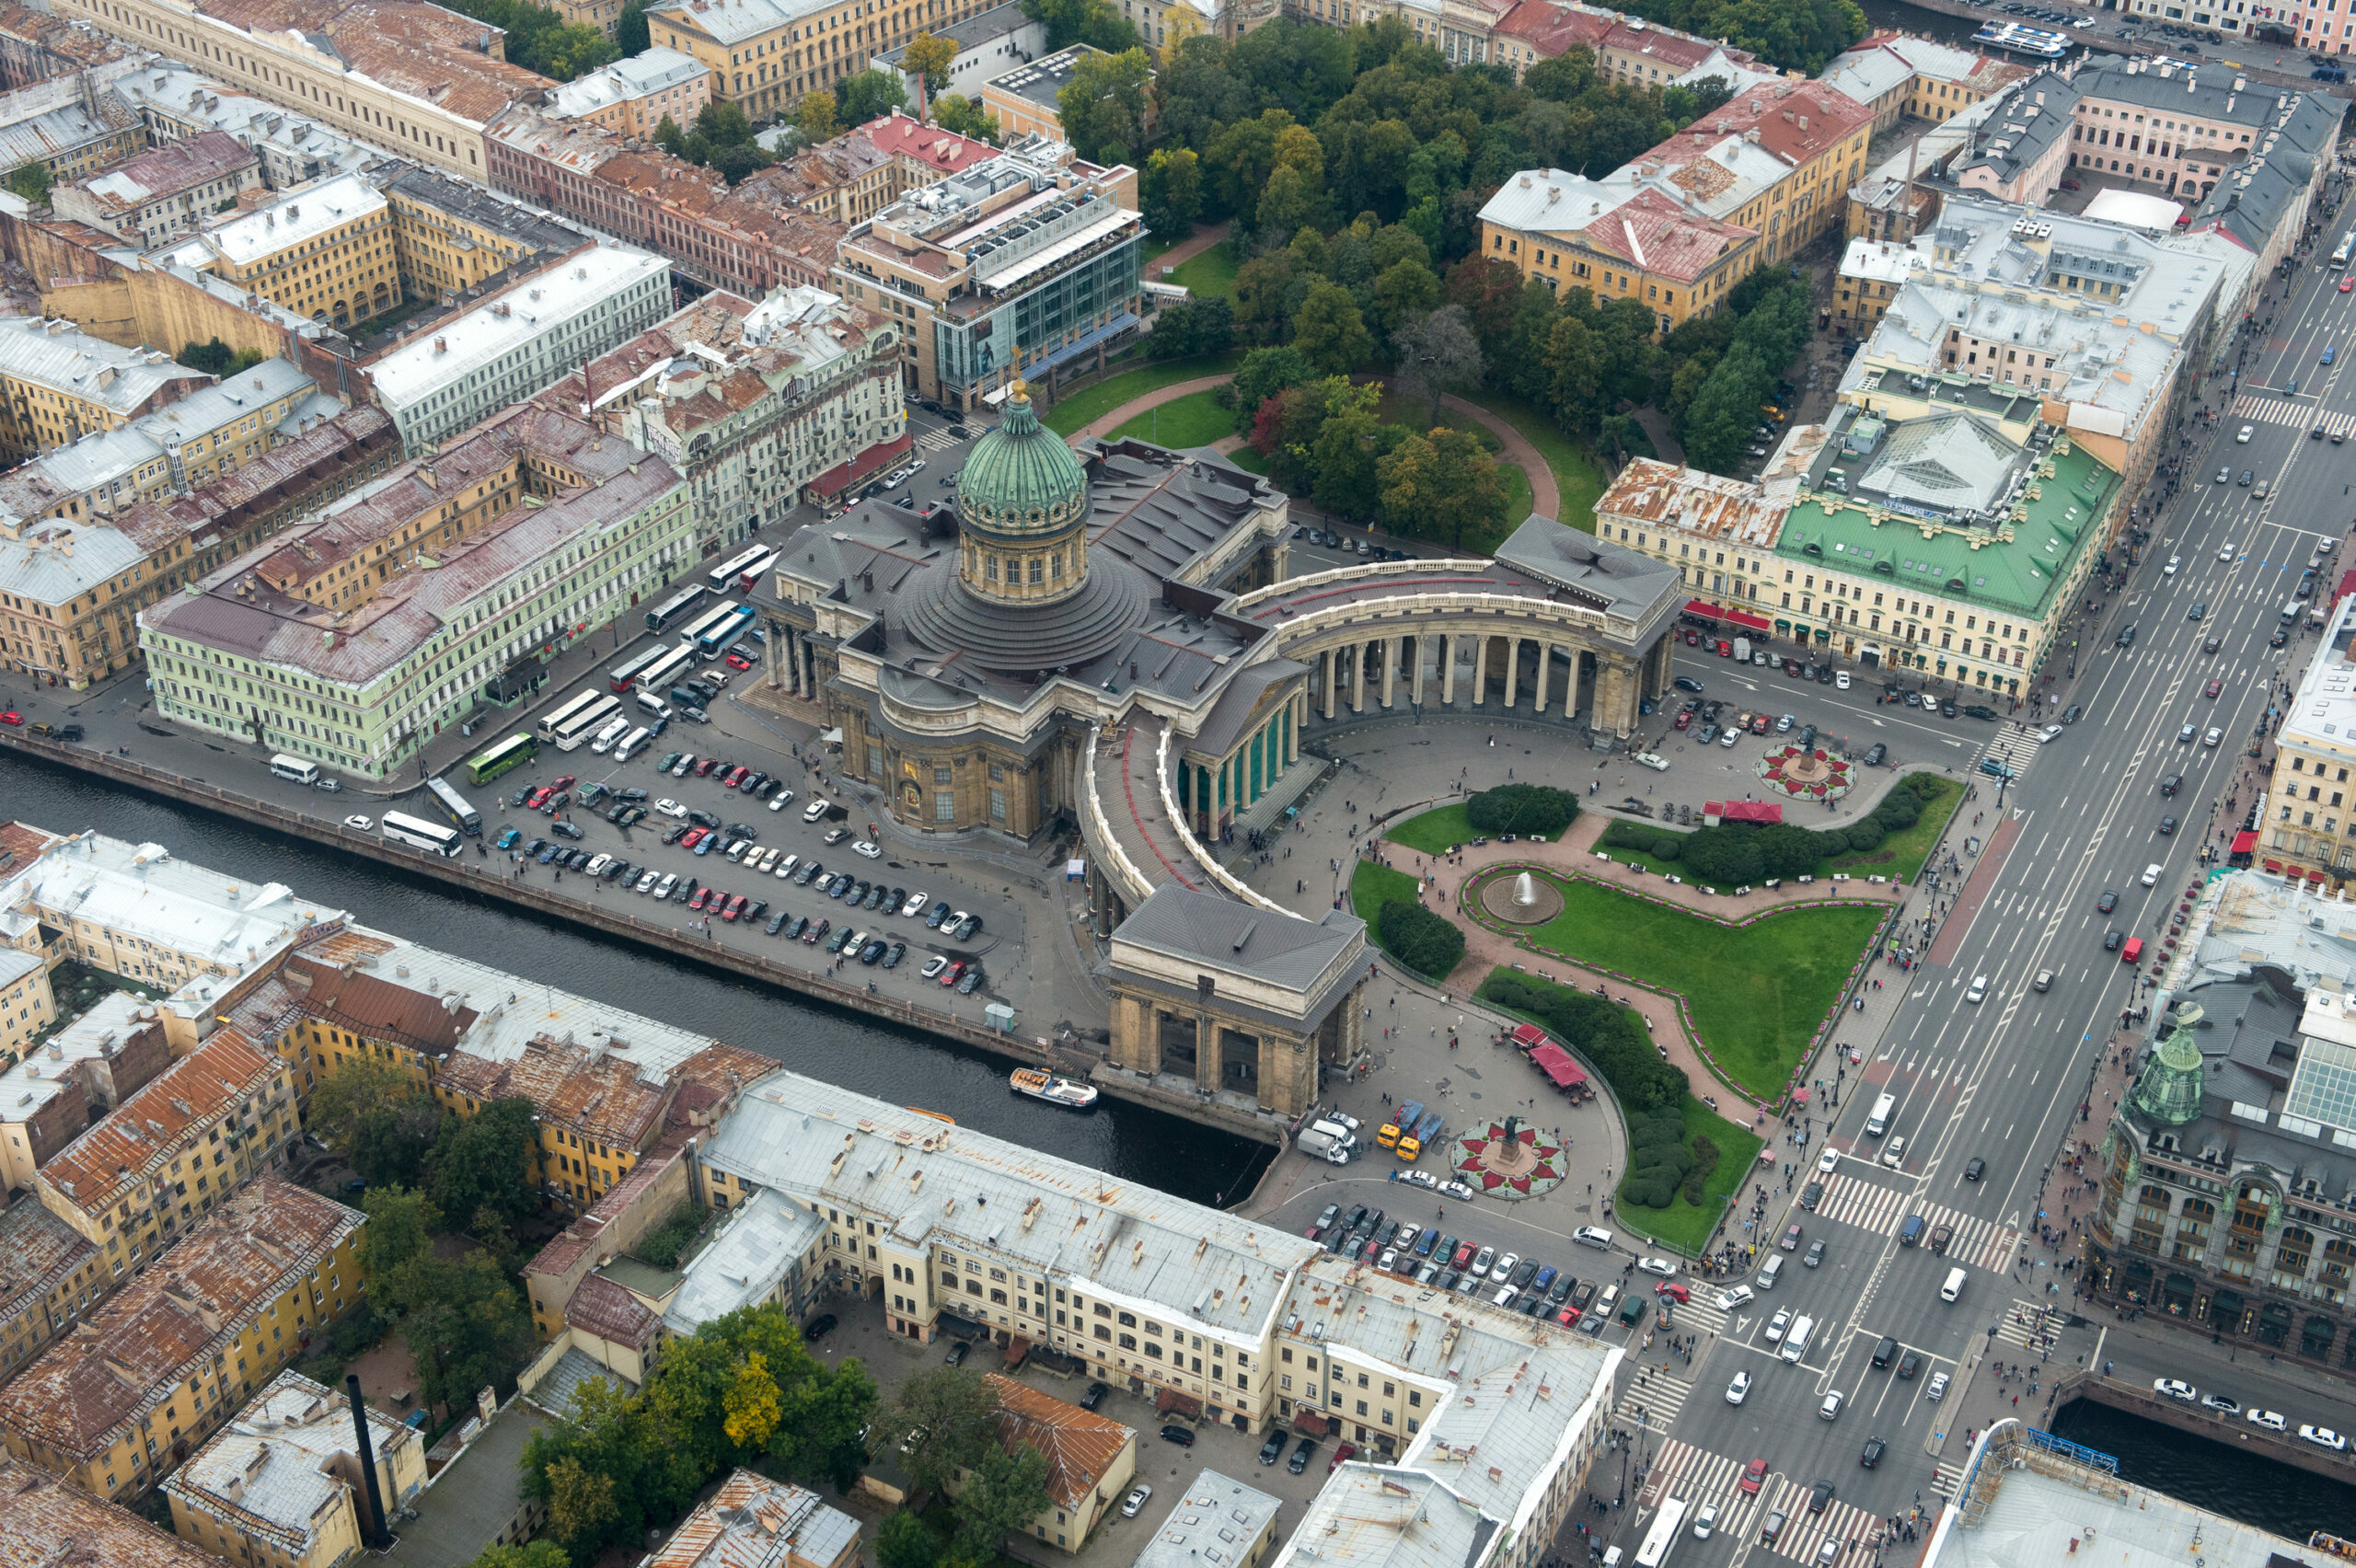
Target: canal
[
  {"x": 2219, "y": 1477},
  {"x": 872, "y": 1056}
]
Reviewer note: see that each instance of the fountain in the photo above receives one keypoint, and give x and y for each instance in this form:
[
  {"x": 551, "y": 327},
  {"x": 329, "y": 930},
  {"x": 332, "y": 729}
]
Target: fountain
[
  {"x": 1522, "y": 899},
  {"x": 1525, "y": 892}
]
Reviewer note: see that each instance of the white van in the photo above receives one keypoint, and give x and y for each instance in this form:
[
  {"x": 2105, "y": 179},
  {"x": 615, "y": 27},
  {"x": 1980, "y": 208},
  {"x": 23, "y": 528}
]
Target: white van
[
  {"x": 655, "y": 705},
  {"x": 1796, "y": 1337},
  {"x": 1954, "y": 1286},
  {"x": 1878, "y": 1123},
  {"x": 629, "y": 746},
  {"x": 1593, "y": 1236},
  {"x": 1770, "y": 1270},
  {"x": 607, "y": 736},
  {"x": 1607, "y": 1300},
  {"x": 294, "y": 768}
]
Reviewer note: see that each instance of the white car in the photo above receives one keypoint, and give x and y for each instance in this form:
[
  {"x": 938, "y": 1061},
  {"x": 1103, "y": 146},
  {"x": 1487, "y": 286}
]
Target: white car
[
  {"x": 1653, "y": 760},
  {"x": 359, "y": 823},
  {"x": 2269, "y": 1419},
  {"x": 716, "y": 675},
  {"x": 1338, "y": 1116},
  {"x": 1830, "y": 1408},
  {"x": 1737, "y": 1390},
  {"x": 1829, "y": 1160},
  {"x": 2169, "y": 570},
  {"x": 1841, "y": 680},
  {"x": 1777, "y": 1324},
  {"x": 2323, "y": 1437},
  {"x": 2152, "y": 874},
  {"x": 2227, "y": 553},
  {"x": 933, "y": 968},
  {"x": 1660, "y": 1266},
  {"x": 2241, "y": 437},
  {"x": 1740, "y": 1296},
  {"x": 1134, "y": 1503},
  {"x": 1936, "y": 1389},
  {"x": 1730, "y": 738},
  {"x": 2213, "y": 736},
  {"x": 868, "y": 850},
  {"x": 2223, "y": 1404},
  {"x": 1457, "y": 1190},
  {"x": 919, "y": 902},
  {"x": 781, "y": 800},
  {"x": 1505, "y": 1267},
  {"x": 2050, "y": 732},
  {"x": 1705, "y": 1522},
  {"x": 2174, "y": 1389},
  {"x": 679, "y": 768},
  {"x": 670, "y": 808}
]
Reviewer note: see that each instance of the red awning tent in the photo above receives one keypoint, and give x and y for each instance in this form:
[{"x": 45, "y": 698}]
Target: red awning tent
[
  {"x": 1743, "y": 618},
  {"x": 1743, "y": 811},
  {"x": 2273, "y": 865},
  {"x": 2246, "y": 842},
  {"x": 1701, "y": 607},
  {"x": 1556, "y": 1063},
  {"x": 1529, "y": 1035},
  {"x": 843, "y": 476},
  {"x": 2347, "y": 586}
]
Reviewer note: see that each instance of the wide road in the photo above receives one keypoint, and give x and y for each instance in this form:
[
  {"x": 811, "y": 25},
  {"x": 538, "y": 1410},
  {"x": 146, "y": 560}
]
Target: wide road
[{"x": 2000, "y": 1080}]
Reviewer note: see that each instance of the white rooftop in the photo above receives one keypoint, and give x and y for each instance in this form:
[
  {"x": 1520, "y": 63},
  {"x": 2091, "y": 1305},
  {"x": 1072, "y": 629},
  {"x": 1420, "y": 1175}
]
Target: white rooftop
[
  {"x": 303, "y": 216},
  {"x": 736, "y": 19},
  {"x": 1211, "y": 1525},
  {"x": 507, "y": 320},
  {"x": 639, "y": 76},
  {"x": 278, "y": 1459},
  {"x": 2135, "y": 209},
  {"x": 2323, "y": 716},
  {"x": 754, "y": 1250},
  {"x": 59, "y": 558},
  {"x": 60, "y": 355},
  {"x": 32, "y": 1083}
]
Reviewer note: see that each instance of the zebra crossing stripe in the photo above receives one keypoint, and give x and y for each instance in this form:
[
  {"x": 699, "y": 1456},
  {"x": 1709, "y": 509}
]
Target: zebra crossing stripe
[
  {"x": 1693, "y": 1474},
  {"x": 1948, "y": 1478},
  {"x": 1657, "y": 1400},
  {"x": 1865, "y": 1205}
]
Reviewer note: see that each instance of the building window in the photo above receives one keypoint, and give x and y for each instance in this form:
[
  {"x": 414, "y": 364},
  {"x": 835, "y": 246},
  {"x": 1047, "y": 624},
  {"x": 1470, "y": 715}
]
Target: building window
[{"x": 945, "y": 806}]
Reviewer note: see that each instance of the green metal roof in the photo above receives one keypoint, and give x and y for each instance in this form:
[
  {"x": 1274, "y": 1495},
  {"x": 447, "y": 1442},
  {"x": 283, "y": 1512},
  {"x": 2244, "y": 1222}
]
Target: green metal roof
[
  {"x": 2016, "y": 566},
  {"x": 1021, "y": 478}
]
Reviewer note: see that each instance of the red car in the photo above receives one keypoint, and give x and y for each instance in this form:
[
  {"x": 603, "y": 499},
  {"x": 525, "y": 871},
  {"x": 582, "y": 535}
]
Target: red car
[
  {"x": 540, "y": 797},
  {"x": 1463, "y": 1258},
  {"x": 702, "y": 894},
  {"x": 1758, "y": 724},
  {"x": 738, "y": 662},
  {"x": 2213, "y": 688},
  {"x": 11, "y": 716},
  {"x": 1673, "y": 1290},
  {"x": 949, "y": 975},
  {"x": 705, "y": 765},
  {"x": 1693, "y": 640},
  {"x": 1754, "y": 1476},
  {"x": 1685, "y": 719},
  {"x": 2347, "y": 283},
  {"x": 562, "y": 781},
  {"x": 1342, "y": 1455},
  {"x": 694, "y": 837},
  {"x": 736, "y": 906},
  {"x": 736, "y": 776}
]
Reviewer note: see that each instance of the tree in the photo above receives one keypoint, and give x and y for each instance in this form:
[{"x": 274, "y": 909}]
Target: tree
[
  {"x": 484, "y": 1161},
  {"x": 752, "y": 1403},
  {"x": 1427, "y": 943},
  {"x": 930, "y": 56},
  {"x": 1329, "y": 332},
  {"x": 1524, "y": 809},
  {"x": 580, "y": 1505},
  {"x": 1263, "y": 374},
  {"x": 1000, "y": 1496},
  {"x": 1171, "y": 191},
  {"x": 1287, "y": 202},
  {"x": 1436, "y": 486},
  {"x": 944, "y": 1421},
  {"x": 815, "y": 118},
  {"x": 966, "y": 117},
  {"x": 399, "y": 1233},
  {"x": 904, "y": 1540},
  {"x": 1437, "y": 352},
  {"x": 221, "y": 360},
  {"x": 1103, "y": 107},
  {"x": 541, "y": 1553},
  {"x": 670, "y": 138},
  {"x": 1193, "y": 326},
  {"x": 466, "y": 1325},
  {"x": 33, "y": 182},
  {"x": 1092, "y": 22},
  {"x": 871, "y": 95},
  {"x": 1406, "y": 290},
  {"x": 379, "y": 1116},
  {"x": 630, "y": 31}
]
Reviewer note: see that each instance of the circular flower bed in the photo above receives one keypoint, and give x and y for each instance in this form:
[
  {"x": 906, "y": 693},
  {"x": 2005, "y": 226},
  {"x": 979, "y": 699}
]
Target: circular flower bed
[
  {"x": 1521, "y": 1166},
  {"x": 1807, "y": 773}
]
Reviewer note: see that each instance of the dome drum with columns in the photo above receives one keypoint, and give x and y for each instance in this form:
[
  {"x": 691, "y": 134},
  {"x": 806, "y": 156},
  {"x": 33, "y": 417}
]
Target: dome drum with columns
[{"x": 1023, "y": 506}]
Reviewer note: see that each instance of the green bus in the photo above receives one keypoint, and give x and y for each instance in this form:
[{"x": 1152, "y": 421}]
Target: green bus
[{"x": 513, "y": 752}]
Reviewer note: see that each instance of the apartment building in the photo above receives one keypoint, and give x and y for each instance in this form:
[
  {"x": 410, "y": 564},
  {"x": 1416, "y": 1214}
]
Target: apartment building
[
  {"x": 858, "y": 174},
  {"x": 2306, "y": 827},
  {"x": 596, "y": 1117},
  {"x": 179, "y": 105},
  {"x": 1015, "y": 268},
  {"x": 765, "y": 55},
  {"x": 78, "y": 1075},
  {"x": 1090, "y": 1460},
  {"x": 283, "y": 1484},
  {"x": 1896, "y": 75},
  {"x": 405, "y": 74},
  {"x": 52, "y": 1278},
  {"x": 1778, "y": 159},
  {"x": 58, "y": 382},
  {"x": 70, "y": 127},
  {"x": 215, "y": 1121},
  {"x": 178, "y": 1349},
  {"x": 357, "y": 638},
  {"x": 450, "y": 236},
  {"x": 163, "y": 193},
  {"x": 1900, "y": 197},
  {"x": 37, "y": 1511},
  {"x": 1872, "y": 273},
  {"x": 988, "y": 42},
  {"x": 1621, "y": 238},
  {"x": 326, "y": 253},
  {"x": 1028, "y": 99},
  {"x": 452, "y": 373},
  {"x": 633, "y": 97},
  {"x": 1719, "y": 532},
  {"x": 38, "y": 46},
  {"x": 761, "y": 407},
  {"x": 70, "y": 588},
  {"x": 604, "y": 15},
  {"x": 27, "y": 1003},
  {"x": 752, "y": 1519}
]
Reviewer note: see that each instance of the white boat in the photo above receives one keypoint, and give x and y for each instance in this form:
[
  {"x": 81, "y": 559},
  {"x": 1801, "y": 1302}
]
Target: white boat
[
  {"x": 1039, "y": 1085},
  {"x": 2016, "y": 39}
]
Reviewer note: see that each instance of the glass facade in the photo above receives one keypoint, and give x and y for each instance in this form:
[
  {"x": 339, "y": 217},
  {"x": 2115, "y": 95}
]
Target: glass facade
[{"x": 1067, "y": 303}]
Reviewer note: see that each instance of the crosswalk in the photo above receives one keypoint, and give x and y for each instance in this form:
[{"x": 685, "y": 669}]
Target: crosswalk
[
  {"x": 1805, "y": 1533},
  {"x": 1700, "y": 1477},
  {"x": 1946, "y": 1478},
  {"x": 2014, "y": 749},
  {"x": 936, "y": 439},
  {"x": 2023, "y": 1323},
  {"x": 1651, "y": 1399},
  {"x": 1981, "y": 1243},
  {"x": 1696, "y": 1475},
  {"x": 2283, "y": 412}
]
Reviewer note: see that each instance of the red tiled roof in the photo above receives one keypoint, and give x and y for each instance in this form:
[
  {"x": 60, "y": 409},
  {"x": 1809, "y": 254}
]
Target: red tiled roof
[
  {"x": 126, "y": 1144},
  {"x": 927, "y": 144},
  {"x": 1550, "y": 27},
  {"x": 1078, "y": 1448},
  {"x": 1651, "y": 231},
  {"x": 1795, "y": 120},
  {"x": 602, "y": 1307},
  {"x": 1673, "y": 50},
  {"x": 45, "y": 1520}
]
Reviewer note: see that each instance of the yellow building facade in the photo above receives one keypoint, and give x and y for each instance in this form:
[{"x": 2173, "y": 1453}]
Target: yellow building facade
[
  {"x": 766, "y": 56},
  {"x": 326, "y": 253}
]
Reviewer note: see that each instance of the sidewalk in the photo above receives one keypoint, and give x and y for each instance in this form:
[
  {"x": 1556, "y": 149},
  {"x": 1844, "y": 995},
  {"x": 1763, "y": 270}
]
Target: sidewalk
[{"x": 1186, "y": 249}]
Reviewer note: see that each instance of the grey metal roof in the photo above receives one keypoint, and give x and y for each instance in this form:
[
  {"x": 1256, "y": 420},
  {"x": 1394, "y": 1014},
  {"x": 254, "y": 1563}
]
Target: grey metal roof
[
  {"x": 1201, "y": 926},
  {"x": 558, "y": 1389},
  {"x": 1211, "y": 1525},
  {"x": 1623, "y": 582},
  {"x": 1390, "y": 1517},
  {"x": 60, "y": 355},
  {"x": 753, "y": 1254}
]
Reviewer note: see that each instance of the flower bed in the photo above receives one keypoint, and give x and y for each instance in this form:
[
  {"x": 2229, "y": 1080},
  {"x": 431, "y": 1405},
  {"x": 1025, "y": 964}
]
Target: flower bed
[{"x": 1807, "y": 773}]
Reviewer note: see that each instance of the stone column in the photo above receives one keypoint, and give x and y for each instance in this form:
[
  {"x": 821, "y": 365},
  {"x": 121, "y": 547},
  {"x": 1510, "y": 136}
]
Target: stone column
[
  {"x": 1545, "y": 672},
  {"x": 1205, "y": 1051},
  {"x": 768, "y": 655},
  {"x": 1357, "y": 677},
  {"x": 1480, "y": 668},
  {"x": 1391, "y": 647},
  {"x": 1332, "y": 659},
  {"x": 1416, "y": 682}
]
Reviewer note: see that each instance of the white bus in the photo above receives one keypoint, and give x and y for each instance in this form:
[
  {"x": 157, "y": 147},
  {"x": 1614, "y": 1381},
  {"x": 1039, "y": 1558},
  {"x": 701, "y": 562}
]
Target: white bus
[
  {"x": 1878, "y": 1123},
  {"x": 1662, "y": 1536},
  {"x": 468, "y": 820},
  {"x": 675, "y": 665},
  {"x": 585, "y": 725},
  {"x": 718, "y": 640},
  {"x": 294, "y": 768},
  {"x": 2347, "y": 248},
  {"x": 732, "y": 575},
  {"x": 572, "y": 707},
  {"x": 669, "y": 613},
  {"x": 621, "y": 677},
  {"x": 419, "y": 834},
  {"x": 627, "y": 746},
  {"x": 712, "y": 620}
]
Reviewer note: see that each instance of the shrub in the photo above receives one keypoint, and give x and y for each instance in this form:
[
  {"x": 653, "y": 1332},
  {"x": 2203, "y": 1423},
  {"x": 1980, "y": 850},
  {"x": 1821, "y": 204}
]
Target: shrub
[
  {"x": 1724, "y": 855},
  {"x": 1788, "y": 851},
  {"x": 1523, "y": 809},
  {"x": 1899, "y": 809},
  {"x": 1604, "y": 1033},
  {"x": 1866, "y": 837},
  {"x": 1430, "y": 944},
  {"x": 1670, "y": 846},
  {"x": 1706, "y": 1160}
]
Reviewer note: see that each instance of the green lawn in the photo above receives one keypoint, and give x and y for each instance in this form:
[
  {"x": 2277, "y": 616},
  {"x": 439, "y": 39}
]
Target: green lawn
[
  {"x": 1434, "y": 832},
  {"x": 1756, "y": 993},
  {"x": 1579, "y": 475},
  {"x": 1154, "y": 250},
  {"x": 1900, "y": 857},
  {"x": 1212, "y": 272},
  {"x": 1094, "y": 402},
  {"x": 1195, "y": 419},
  {"x": 1518, "y": 507},
  {"x": 1251, "y": 462},
  {"x": 1372, "y": 886},
  {"x": 1682, "y": 1225}
]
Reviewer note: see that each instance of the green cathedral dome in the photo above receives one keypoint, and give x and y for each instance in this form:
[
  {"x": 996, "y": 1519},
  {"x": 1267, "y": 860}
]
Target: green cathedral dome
[
  {"x": 2168, "y": 1089},
  {"x": 1020, "y": 482}
]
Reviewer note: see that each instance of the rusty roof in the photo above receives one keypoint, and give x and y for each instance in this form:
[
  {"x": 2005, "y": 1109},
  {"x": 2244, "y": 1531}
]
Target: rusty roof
[
  {"x": 753, "y": 1522},
  {"x": 430, "y": 54},
  {"x": 605, "y": 1308},
  {"x": 1734, "y": 511},
  {"x": 132, "y": 1142},
  {"x": 1551, "y": 28},
  {"x": 22, "y": 841},
  {"x": 47, "y": 1521},
  {"x": 377, "y": 1009},
  {"x": 166, "y": 170},
  {"x": 37, "y": 1250},
  {"x": 1078, "y": 1448},
  {"x": 591, "y": 1093},
  {"x": 135, "y": 1351},
  {"x": 1795, "y": 120},
  {"x": 1653, "y": 232}
]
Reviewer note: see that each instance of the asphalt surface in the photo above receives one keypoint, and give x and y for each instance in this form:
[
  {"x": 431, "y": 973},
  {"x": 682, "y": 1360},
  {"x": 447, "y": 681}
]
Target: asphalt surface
[{"x": 2003, "y": 1079}]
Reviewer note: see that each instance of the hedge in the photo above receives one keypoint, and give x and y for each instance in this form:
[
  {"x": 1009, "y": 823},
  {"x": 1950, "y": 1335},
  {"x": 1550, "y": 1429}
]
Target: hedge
[
  {"x": 1745, "y": 854},
  {"x": 1429, "y": 944},
  {"x": 1522, "y": 809},
  {"x": 1605, "y": 1033}
]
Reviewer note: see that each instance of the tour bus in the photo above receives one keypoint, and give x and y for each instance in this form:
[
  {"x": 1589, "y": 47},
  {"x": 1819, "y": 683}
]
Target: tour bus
[
  {"x": 1662, "y": 1536},
  {"x": 1878, "y": 1123},
  {"x": 713, "y": 617},
  {"x": 742, "y": 572},
  {"x": 294, "y": 768},
  {"x": 675, "y": 665},
  {"x": 513, "y": 752},
  {"x": 687, "y": 602},
  {"x": 1796, "y": 1338},
  {"x": 2347, "y": 248},
  {"x": 718, "y": 640},
  {"x": 419, "y": 834},
  {"x": 469, "y": 821},
  {"x": 572, "y": 707},
  {"x": 624, "y": 675}
]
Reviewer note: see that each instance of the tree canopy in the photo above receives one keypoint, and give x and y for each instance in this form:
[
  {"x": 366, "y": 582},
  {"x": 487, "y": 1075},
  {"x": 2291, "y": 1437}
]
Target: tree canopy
[{"x": 540, "y": 40}]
